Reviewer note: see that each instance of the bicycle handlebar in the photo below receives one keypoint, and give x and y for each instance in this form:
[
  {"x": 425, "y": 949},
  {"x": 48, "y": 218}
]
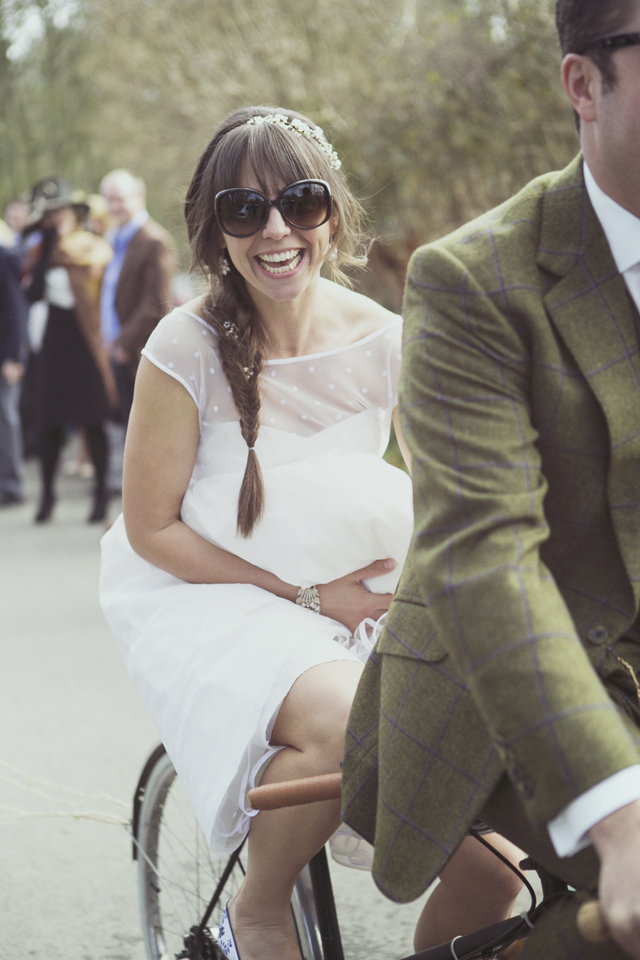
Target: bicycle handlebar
[
  {"x": 291, "y": 793},
  {"x": 591, "y": 923}
]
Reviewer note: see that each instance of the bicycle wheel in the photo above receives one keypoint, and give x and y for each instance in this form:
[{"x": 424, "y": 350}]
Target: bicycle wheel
[{"x": 178, "y": 875}]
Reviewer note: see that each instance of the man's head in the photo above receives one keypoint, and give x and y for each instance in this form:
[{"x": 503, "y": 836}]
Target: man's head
[
  {"x": 125, "y": 194},
  {"x": 603, "y": 86},
  {"x": 16, "y": 215},
  {"x": 580, "y": 20}
]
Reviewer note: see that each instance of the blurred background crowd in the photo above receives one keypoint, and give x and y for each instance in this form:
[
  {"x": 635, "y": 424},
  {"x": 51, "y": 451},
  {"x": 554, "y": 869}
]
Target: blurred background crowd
[
  {"x": 438, "y": 111},
  {"x": 83, "y": 282}
]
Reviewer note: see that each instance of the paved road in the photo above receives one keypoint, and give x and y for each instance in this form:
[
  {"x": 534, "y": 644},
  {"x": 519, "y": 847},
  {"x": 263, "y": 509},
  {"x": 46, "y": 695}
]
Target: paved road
[
  {"x": 70, "y": 716},
  {"x": 71, "y": 720}
]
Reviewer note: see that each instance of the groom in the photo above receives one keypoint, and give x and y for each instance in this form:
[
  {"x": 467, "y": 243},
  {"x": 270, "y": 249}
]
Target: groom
[{"x": 505, "y": 685}]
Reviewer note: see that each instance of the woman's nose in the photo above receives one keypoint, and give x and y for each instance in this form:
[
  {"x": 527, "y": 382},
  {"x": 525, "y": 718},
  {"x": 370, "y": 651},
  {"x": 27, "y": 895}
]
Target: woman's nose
[{"x": 276, "y": 226}]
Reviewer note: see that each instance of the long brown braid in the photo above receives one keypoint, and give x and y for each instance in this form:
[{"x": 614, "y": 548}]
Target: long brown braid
[
  {"x": 242, "y": 341},
  {"x": 239, "y": 346}
]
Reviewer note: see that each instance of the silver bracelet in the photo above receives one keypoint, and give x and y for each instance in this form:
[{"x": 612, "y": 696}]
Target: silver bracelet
[{"x": 310, "y": 598}]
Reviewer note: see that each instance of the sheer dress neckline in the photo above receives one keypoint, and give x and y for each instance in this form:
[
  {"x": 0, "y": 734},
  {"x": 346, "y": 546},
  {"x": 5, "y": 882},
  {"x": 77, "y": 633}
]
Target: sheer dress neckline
[{"x": 307, "y": 356}]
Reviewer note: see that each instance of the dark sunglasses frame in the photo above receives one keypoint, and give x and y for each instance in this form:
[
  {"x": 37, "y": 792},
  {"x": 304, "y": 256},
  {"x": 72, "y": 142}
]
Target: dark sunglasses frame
[
  {"x": 613, "y": 41},
  {"x": 273, "y": 203}
]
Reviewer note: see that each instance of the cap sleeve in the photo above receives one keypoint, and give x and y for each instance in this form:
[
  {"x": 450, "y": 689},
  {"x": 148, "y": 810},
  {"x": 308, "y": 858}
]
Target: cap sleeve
[{"x": 183, "y": 346}]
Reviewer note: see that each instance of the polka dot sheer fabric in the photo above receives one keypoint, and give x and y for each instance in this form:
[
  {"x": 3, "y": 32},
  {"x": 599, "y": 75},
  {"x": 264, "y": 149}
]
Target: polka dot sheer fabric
[
  {"x": 325, "y": 423},
  {"x": 300, "y": 395}
]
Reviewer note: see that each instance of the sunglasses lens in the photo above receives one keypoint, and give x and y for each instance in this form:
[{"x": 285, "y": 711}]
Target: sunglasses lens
[
  {"x": 242, "y": 212},
  {"x": 305, "y": 205}
]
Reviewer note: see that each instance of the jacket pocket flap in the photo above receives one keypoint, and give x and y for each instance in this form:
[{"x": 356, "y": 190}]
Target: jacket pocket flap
[{"x": 409, "y": 633}]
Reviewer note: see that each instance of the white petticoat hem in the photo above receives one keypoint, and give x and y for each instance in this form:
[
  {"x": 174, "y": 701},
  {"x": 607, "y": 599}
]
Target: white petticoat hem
[{"x": 364, "y": 639}]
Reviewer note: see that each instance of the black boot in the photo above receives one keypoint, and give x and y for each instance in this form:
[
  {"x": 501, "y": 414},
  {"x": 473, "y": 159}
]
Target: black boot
[
  {"x": 97, "y": 440},
  {"x": 51, "y": 443},
  {"x": 46, "y": 506},
  {"x": 100, "y": 503}
]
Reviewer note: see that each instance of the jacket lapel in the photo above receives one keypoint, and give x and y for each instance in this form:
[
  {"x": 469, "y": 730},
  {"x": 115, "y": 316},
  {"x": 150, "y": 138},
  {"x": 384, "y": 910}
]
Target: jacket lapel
[
  {"x": 597, "y": 320},
  {"x": 132, "y": 261}
]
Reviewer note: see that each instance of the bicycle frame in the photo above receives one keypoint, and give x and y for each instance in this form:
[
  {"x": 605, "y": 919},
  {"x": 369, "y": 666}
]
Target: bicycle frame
[{"x": 314, "y": 910}]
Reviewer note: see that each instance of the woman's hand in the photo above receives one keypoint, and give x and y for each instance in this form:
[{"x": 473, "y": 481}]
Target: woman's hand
[{"x": 347, "y": 601}]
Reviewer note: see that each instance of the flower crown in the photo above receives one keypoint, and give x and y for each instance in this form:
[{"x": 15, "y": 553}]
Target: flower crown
[{"x": 301, "y": 129}]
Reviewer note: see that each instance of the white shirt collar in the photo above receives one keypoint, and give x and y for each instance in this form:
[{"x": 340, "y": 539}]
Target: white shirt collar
[{"x": 621, "y": 228}]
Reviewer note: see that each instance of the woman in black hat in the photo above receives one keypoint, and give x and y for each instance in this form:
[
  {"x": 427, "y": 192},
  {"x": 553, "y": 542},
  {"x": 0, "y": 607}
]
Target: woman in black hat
[{"x": 76, "y": 386}]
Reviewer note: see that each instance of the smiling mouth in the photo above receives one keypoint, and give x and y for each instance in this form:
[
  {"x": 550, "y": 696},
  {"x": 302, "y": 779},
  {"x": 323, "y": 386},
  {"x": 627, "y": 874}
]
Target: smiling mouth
[{"x": 278, "y": 263}]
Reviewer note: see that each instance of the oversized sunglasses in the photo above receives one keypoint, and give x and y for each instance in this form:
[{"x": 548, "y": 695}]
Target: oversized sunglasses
[
  {"x": 613, "y": 41},
  {"x": 305, "y": 204}
]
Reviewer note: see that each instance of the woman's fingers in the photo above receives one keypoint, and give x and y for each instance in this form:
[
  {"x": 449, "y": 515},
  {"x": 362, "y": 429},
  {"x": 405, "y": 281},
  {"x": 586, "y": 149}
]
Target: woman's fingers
[
  {"x": 371, "y": 608},
  {"x": 375, "y": 602},
  {"x": 375, "y": 569},
  {"x": 382, "y": 604},
  {"x": 349, "y": 602}
]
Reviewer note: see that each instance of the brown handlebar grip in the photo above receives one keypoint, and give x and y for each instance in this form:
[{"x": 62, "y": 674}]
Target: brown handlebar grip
[
  {"x": 591, "y": 923},
  {"x": 291, "y": 793}
]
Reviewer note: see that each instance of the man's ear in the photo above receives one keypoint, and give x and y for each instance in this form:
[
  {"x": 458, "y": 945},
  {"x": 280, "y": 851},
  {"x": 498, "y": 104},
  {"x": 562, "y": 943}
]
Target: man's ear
[{"x": 582, "y": 83}]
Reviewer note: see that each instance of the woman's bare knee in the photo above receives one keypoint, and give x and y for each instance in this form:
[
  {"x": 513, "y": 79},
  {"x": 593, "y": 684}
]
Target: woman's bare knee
[{"x": 314, "y": 714}]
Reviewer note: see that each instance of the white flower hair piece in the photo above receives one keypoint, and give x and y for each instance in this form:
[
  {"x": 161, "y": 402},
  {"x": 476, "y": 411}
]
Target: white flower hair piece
[{"x": 302, "y": 129}]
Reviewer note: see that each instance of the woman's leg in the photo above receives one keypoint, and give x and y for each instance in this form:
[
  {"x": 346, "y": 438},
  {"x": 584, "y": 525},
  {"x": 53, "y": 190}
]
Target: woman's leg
[
  {"x": 98, "y": 448},
  {"x": 475, "y": 890},
  {"x": 311, "y": 725},
  {"x": 51, "y": 443}
]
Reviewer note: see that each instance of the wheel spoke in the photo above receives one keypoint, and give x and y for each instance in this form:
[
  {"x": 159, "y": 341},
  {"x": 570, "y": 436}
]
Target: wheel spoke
[{"x": 179, "y": 871}]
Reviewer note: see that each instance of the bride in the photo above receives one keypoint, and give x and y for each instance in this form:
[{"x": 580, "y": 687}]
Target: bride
[{"x": 262, "y": 532}]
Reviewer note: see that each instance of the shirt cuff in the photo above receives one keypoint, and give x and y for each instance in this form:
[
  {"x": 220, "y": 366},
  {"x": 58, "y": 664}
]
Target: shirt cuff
[{"x": 569, "y": 830}]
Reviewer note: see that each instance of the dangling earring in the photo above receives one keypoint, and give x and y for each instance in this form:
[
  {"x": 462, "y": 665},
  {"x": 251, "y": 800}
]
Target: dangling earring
[
  {"x": 223, "y": 263},
  {"x": 333, "y": 255}
]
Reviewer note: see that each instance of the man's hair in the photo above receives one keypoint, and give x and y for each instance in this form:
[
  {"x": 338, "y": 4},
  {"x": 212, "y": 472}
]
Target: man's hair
[
  {"x": 579, "y": 20},
  {"x": 126, "y": 179}
]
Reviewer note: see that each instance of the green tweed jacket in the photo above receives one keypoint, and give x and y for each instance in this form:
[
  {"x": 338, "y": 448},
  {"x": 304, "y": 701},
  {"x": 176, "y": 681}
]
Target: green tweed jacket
[{"x": 520, "y": 402}]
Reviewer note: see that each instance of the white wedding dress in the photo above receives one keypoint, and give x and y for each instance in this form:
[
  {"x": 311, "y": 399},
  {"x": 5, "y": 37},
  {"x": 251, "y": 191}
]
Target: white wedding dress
[{"x": 213, "y": 662}]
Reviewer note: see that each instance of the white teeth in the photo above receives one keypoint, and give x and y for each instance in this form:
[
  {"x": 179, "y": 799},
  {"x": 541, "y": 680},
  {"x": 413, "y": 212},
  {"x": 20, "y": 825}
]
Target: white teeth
[
  {"x": 293, "y": 256},
  {"x": 278, "y": 257}
]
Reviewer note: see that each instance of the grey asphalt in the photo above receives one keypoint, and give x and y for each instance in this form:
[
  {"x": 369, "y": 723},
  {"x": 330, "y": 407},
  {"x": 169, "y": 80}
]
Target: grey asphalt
[{"x": 73, "y": 727}]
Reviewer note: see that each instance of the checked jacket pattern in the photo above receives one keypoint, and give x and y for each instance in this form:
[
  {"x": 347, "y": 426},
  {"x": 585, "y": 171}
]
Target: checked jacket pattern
[{"x": 520, "y": 402}]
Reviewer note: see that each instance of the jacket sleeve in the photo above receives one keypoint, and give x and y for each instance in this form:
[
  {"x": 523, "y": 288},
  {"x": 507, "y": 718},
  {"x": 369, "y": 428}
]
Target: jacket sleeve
[
  {"x": 154, "y": 297},
  {"x": 35, "y": 287},
  {"x": 15, "y": 308},
  {"x": 475, "y": 563}
]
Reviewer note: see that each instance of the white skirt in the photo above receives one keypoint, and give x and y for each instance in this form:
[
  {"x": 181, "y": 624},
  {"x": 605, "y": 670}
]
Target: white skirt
[{"x": 213, "y": 663}]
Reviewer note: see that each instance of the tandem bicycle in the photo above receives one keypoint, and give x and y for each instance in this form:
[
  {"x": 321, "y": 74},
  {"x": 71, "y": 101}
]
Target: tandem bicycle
[{"x": 183, "y": 887}]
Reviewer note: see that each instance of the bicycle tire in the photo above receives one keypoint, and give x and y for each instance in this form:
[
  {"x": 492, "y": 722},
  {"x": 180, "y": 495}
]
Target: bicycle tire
[{"x": 178, "y": 874}]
